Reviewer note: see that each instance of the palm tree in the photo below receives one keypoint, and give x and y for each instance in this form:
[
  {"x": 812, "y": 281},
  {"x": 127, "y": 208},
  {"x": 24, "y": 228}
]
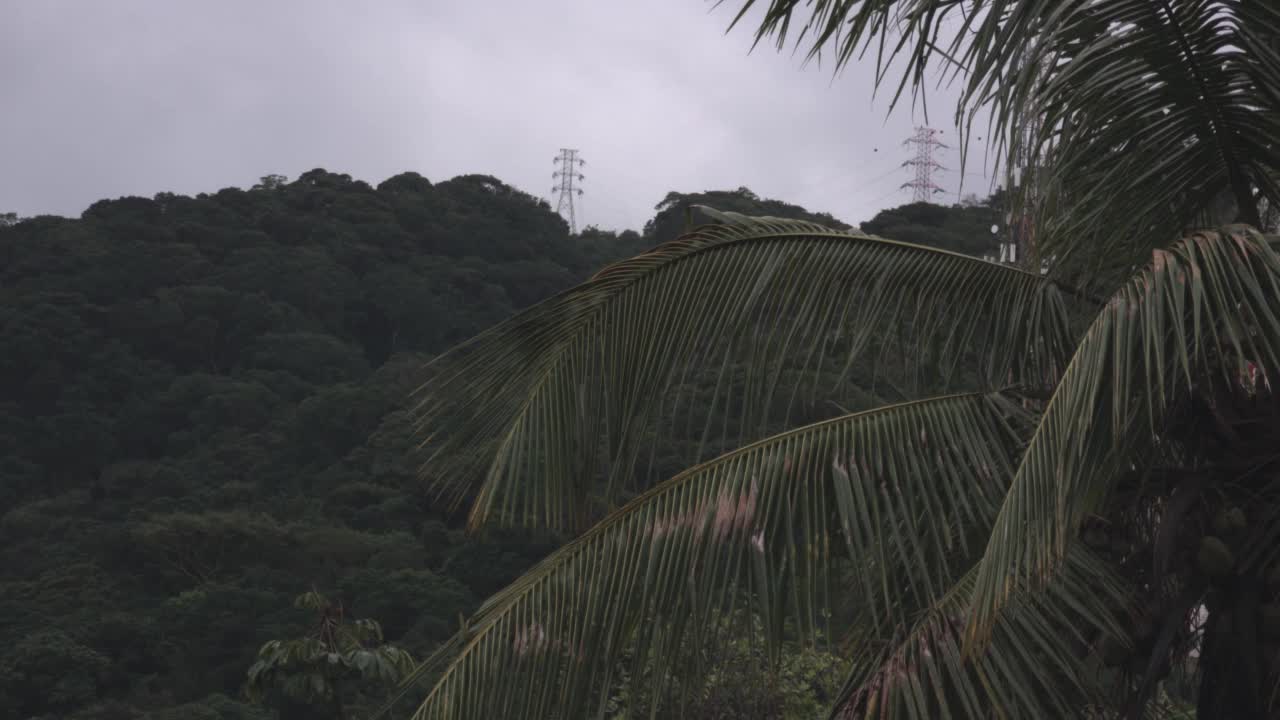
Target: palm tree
[{"x": 1093, "y": 529}]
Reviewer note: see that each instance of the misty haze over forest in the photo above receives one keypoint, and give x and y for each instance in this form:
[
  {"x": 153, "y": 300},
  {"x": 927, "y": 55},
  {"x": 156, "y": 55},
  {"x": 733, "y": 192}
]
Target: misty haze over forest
[{"x": 662, "y": 358}]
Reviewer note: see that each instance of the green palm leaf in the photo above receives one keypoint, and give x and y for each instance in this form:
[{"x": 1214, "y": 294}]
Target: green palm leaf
[
  {"x": 1141, "y": 113},
  {"x": 1204, "y": 315},
  {"x": 1043, "y": 660},
  {"x": 1146, "y": 124},
  {"x": 900, "y": 493},
  {"x": 525, "y": 417}
]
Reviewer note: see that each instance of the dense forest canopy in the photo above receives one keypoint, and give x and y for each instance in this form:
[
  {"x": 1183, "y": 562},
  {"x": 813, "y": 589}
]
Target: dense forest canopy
[{"x": 202, "y": 416}]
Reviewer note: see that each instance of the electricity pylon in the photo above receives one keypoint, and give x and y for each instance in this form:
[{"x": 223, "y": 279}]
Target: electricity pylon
[
  {"x": 923, "y": 186},
  {"x": 569, "y": 163}
]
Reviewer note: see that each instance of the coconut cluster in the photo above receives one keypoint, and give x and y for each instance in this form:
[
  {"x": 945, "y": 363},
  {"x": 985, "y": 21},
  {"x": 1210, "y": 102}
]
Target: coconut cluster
[
  {"x": 1217, "y": 560},
  {"x": 1208, "y": 551}
]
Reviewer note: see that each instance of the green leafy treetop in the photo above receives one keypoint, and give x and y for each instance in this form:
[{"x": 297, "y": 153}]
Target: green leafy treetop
[
  {"x": 316, "y": 675},
  {"x": 271, "y": 182},
  {"x": 1091, "y": 531}
]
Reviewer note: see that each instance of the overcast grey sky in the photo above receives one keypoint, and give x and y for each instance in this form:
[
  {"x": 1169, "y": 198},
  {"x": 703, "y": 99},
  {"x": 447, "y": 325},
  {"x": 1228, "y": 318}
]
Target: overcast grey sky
[{"x": 104, "y": 98}]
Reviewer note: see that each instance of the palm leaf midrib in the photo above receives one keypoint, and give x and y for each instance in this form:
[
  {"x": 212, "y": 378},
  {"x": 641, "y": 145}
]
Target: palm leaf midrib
[
  {"x": 634, "y": 504},
  {"x": 541, "y": 572},
  {"x": 662, "y": 258},
  {"x": 1217, "y": 120}
]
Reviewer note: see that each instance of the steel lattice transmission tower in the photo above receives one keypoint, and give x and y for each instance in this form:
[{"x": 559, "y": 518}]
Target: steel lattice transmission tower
[
  {"x": 568, "y": 173},
  {"x": 925, "y": 141}
]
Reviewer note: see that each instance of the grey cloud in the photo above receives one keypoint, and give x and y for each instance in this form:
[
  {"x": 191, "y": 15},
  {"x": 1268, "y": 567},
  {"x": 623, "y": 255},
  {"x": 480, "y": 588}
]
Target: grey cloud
[{"x": 142, "y": 96}]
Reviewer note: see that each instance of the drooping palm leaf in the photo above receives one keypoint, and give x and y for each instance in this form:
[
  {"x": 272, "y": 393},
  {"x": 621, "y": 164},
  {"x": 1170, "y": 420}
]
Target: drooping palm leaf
[
  {"x": 1140, "y": 113},
  {"x": 1172, "y": 105},
  {"x": 1043, "y": 660},
  {"x": 901, "y": 492},
  {"x": 529, "y": 414},
  {"x": 1204, "y": 317}
]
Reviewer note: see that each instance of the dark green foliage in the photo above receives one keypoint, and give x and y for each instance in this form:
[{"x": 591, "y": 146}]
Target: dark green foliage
[
  {"x": 320, "y": 675},
  {"x": 673, "y": 218},
  {"x": 398, "y": 597},
  {"x": 199, "y": 421},
  {"x": 201, "y": 415},
  {"x": 962, "y": 228},
  {"x": 740, "y": 681},
  {"x": 50, "y": 672}
]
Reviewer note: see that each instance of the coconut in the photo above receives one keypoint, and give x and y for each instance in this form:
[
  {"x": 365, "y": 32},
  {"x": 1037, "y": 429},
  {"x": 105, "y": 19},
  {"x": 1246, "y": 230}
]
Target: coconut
[
  {"x": 1237, "y": 520},
  {"x": 1270, "y": 616},
  {"x": 1096, "y": 538},
  {"x": 1229, "y": 521},
  {"x": 1214, "y": 557}
]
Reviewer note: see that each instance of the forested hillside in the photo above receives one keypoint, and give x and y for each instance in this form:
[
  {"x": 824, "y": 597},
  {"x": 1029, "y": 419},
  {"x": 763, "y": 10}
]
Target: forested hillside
[{"x": 202, "y": 416}]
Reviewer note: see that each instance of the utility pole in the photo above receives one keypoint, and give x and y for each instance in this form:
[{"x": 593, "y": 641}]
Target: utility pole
[
  {"x": 1023, "y": 177},
  {"x": 568, "y": 162},
  {"x": 1024, "y": 181},
  {"x": 925, "y": 140}
]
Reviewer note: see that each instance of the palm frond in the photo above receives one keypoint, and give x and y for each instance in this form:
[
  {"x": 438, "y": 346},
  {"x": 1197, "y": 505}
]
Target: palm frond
[
  {"x": 1203, "y": 317},
  {"x": 527, "y": 416},
  {"x": 1043, "y": 659},
  {"x": 901, "y": 492},
  {"x": 1130, "y": 118},
  {"x": 1145, "y": 124}
]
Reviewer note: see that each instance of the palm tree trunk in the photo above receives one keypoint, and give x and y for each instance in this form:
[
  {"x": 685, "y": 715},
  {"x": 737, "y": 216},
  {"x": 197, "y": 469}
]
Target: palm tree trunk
[
  {"x": 1231, "y": 658},
  {"x": 339, "y": 711}
]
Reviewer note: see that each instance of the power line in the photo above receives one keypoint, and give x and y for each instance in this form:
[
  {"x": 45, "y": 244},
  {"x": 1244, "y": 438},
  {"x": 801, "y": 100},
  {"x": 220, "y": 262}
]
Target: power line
[
  {"x": 886, "y": 196},
  {"x": 569, "y": 163},
  {"x": 868, "y": 182},
  {"x": 923, "y": 186}
]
